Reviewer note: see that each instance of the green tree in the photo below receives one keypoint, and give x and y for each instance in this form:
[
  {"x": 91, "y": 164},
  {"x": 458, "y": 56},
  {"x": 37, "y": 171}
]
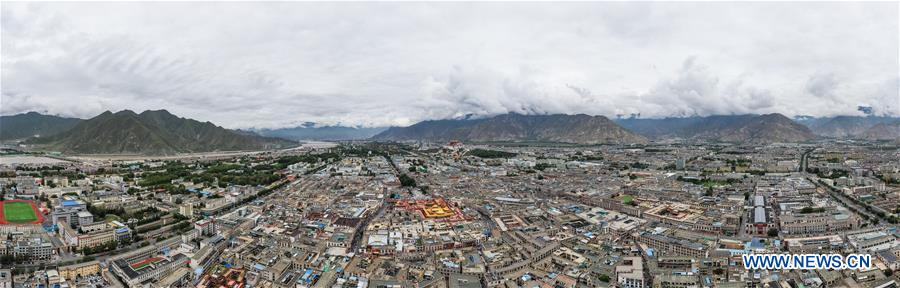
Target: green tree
[{"x": 407, "y": 181}]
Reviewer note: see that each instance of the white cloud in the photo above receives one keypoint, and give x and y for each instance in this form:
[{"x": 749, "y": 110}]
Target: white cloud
[{"x": 280, "y": 64}]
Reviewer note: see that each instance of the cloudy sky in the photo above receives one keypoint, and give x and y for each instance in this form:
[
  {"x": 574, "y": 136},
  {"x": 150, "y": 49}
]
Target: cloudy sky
[{"x": 269, "y": 65}]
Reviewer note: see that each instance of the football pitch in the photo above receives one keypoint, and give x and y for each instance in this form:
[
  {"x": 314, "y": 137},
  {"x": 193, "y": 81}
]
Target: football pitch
[{"x": 19, "y": 212}]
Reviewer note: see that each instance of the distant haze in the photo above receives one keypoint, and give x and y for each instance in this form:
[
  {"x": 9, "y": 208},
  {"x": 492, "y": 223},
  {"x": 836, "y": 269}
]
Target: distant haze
[{"x": 275, "y": 65}]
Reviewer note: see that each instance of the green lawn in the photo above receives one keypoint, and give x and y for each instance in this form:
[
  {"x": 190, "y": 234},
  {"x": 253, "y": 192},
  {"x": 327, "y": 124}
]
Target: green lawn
[
  {"x": 18, "y": 212},
  {"x": 112, "y": 217}
]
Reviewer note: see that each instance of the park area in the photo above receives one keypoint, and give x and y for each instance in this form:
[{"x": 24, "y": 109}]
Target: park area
[{"x": 19, "y": 212}]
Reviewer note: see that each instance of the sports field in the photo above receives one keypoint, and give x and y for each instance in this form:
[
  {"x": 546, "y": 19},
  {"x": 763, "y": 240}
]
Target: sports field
[{"x": 19, "y": 212}]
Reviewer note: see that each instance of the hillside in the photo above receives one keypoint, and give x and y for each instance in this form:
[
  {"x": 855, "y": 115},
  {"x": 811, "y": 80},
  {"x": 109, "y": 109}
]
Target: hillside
[
  {"x": 883, "y": 131},
  {"x": 845, "y": 126},
  {"x": 151, "y": 132},
  {"x": 580, "y": 129},
  {"x": 767, "y": 128},
  {"x": 31, "y": 124},
  {"x": 309, "y": 132}
]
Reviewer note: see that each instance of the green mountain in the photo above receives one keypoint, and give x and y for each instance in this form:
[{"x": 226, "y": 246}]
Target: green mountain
[
  {"x": 31, "y": 124},
  {"x": 151, "y": 132},
  {"x": 580, "y": 129}
]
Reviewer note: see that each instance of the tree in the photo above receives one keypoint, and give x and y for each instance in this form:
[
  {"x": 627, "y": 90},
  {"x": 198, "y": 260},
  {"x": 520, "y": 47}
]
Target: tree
[
  {"x": 604, "y": 278},
  {"x": 482, "y": 153},
  {"x": 8, "y": 259},
  {"x": 807, "y": 210},
  {"x": 773, "y": 232},
  {"x": 407, "y": 181}
]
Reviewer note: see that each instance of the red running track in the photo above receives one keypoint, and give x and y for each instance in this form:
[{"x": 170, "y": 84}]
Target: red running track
[{"x": 37, "y": 212}]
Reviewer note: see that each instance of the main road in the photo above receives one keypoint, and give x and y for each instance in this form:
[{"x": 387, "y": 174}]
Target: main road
[
  {"x": 361, "y": 228},
  {"x": 844, "y": 200}
]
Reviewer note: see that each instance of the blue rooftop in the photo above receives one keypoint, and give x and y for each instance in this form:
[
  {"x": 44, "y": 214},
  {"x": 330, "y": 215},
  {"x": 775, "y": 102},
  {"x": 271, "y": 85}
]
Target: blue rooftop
[{"x": 756, "y": 243}]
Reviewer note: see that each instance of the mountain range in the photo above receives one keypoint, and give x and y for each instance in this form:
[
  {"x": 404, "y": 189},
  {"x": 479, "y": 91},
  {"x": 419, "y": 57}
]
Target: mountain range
[
  {"x": 768, "y": 128},
  {"x": 883, "y": 131},
  {"x": 309, "y": 131},
  {"x": 847, "y": 126},
  {"x": 581, "y": 129},
  {"x": 160, "y": 132},
  {"x": 21, "y": 126},
  {"x": 150, "y": 132}
]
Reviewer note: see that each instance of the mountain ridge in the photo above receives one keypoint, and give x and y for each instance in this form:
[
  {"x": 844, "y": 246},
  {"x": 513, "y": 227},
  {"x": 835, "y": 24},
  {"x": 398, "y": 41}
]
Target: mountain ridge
[
  {"x": 750, "y": 128},
  {"x": 30, "y": 124},
  {"x": 151, "y": 132},
  {"x": 172, "y": 132},
  {"x": 580, "y": 129},
  {"x": 309, "y": 132},
  {"x": 845, "y": 126},
  {"x": 883, "y": 131}
]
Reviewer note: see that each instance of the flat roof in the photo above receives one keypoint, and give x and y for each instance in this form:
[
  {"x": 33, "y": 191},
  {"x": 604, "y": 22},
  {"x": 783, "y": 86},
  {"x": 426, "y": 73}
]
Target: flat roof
[
  {"x": 759, "y": 215},
  {"x": 758, "y": 200}
]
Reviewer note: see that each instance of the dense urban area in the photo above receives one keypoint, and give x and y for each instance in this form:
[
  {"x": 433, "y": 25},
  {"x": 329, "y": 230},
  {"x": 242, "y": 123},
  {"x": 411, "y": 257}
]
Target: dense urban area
[
  {"x": 449, "y": 144},
  {"x": 452, "y": 214}
]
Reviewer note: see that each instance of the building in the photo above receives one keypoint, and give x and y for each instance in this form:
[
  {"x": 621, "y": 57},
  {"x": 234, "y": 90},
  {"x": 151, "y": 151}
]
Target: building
[
  {"x": 759, "y": 225},
  {"x": 85, "y": 218},
  {"x": 816, "y": 223},
  {"x": 207, "y": 226},
  {"x": 186, "y": 209},
  {"x": 630, "y": 274},
  {"x": 676, "y": 281},
  {"x": 669, "y": 246},
  {"x": 873, "y": 241},
  {"x": 95, "y": 234},
  {"x": 79, "y": 270},
  {"x": 6, "y": 278},
  {"x": 149, "y": 269},
  {"x": 34, "y": 248},
  {"x": 180, "y": 278},
  {"x": 67, "y": 212}
]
